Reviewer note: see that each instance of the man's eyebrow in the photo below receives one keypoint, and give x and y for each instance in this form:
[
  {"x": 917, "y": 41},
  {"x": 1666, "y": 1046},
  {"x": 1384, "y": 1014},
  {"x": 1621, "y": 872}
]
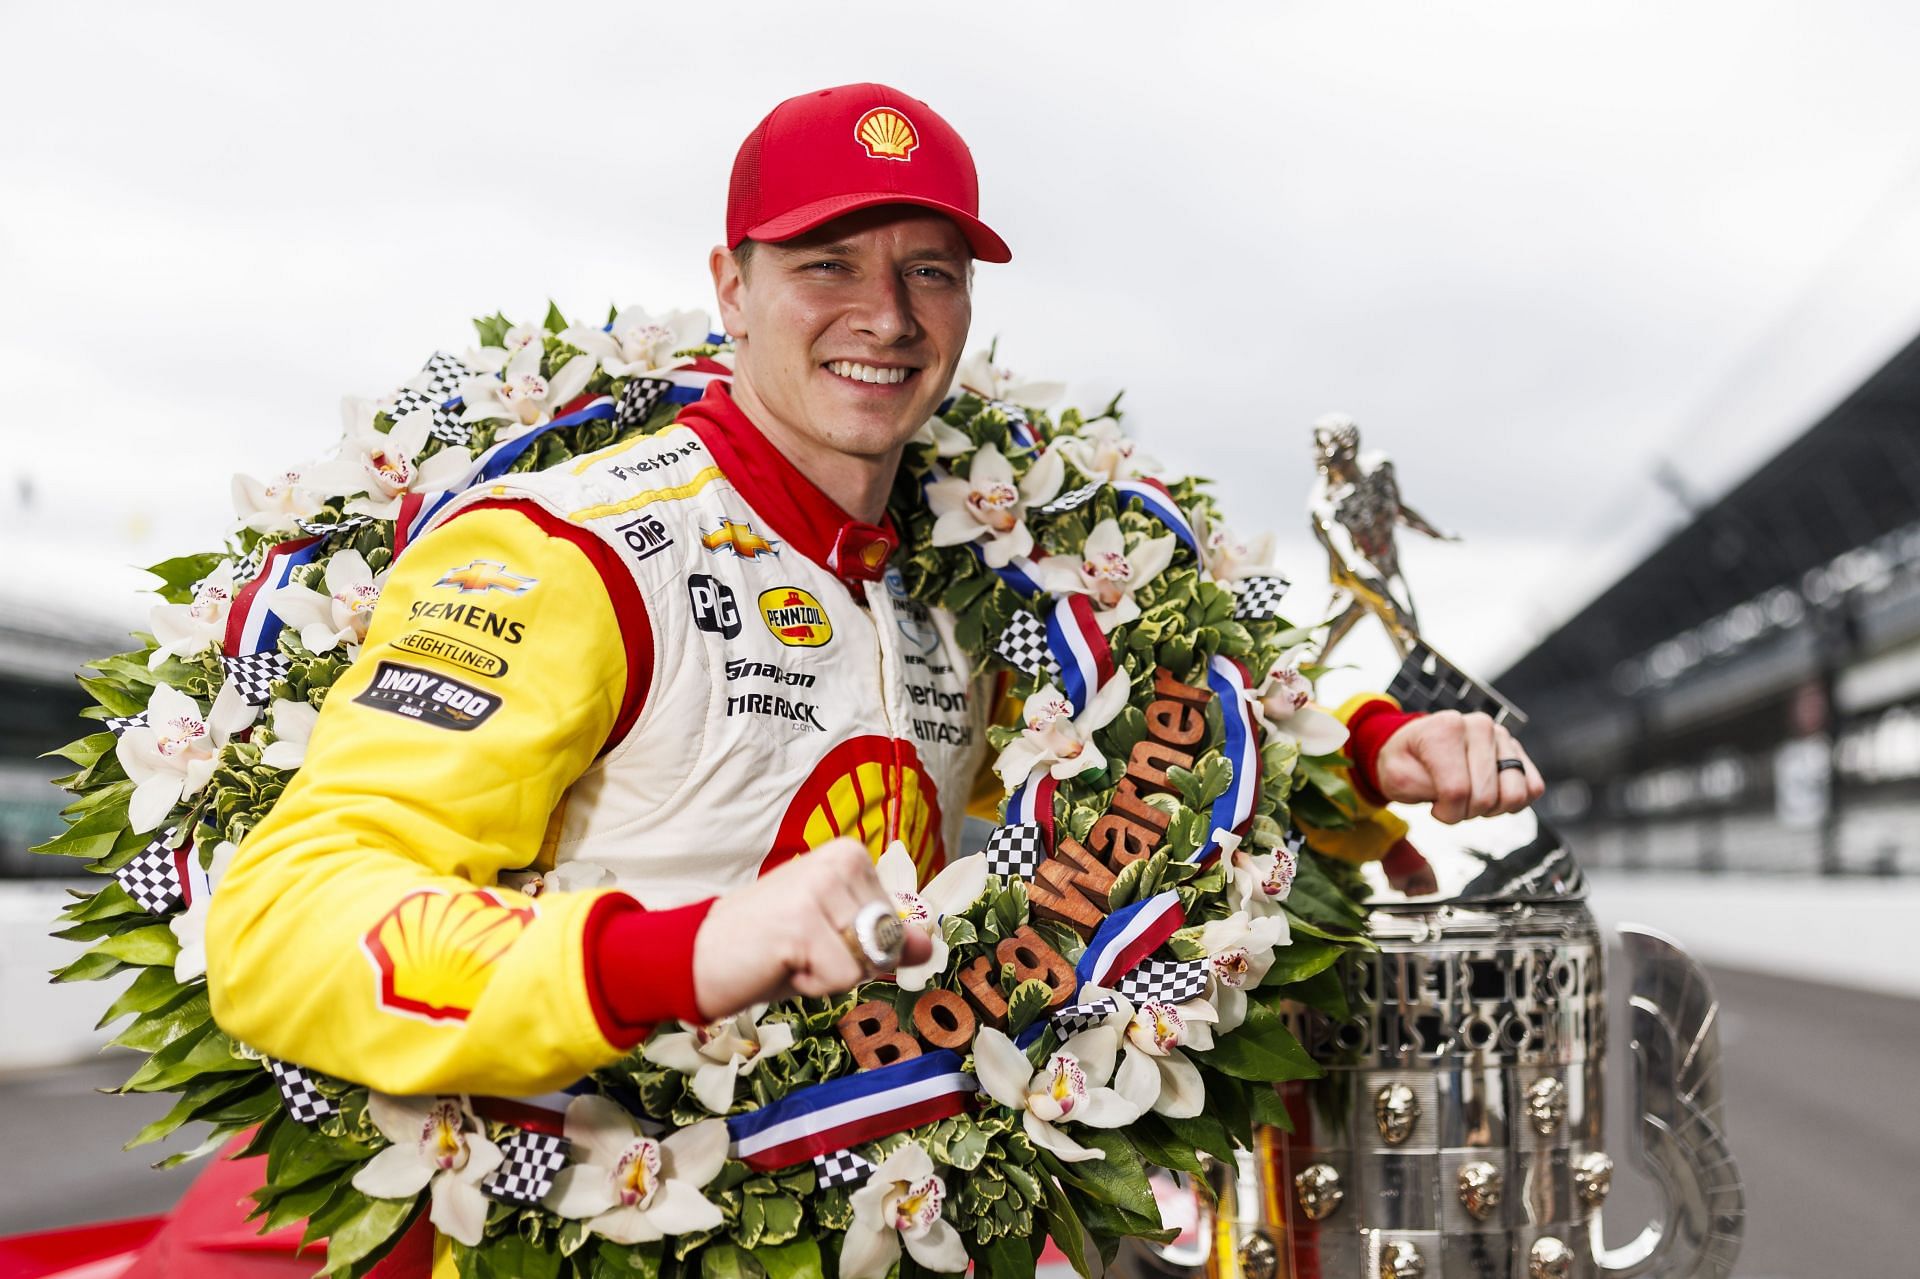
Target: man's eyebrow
[{"x": 845, "y": 249}]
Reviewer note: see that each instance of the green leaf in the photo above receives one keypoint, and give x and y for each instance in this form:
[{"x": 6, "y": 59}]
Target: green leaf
[
  {"x": 1267, "y": 1108},
  {"x": 149, "y": 946},
  {"x": 369, "y": 1230},
  {"x": 1120, "y": 1179},
  {"x": 1262, "y": 1050},
  {"x": 1203, "y": 1132},
  {"x": 1065, "y": 1227},
  {"x": 87, "y": 751},
  {"x": 799, "y": 1259},
  {"x": 153, "y": 1031},
  {"x": 728, "y": 1261},
  {"x": 1328, "y": 778},
  {"x": 153, "y": 988},
  {"x": 1028, "y": 1000},
  {"x": 1324, "y": 992},
  {"x": 783, "y": 1217},
  {"x": 611, "y": 1261},
  {"x": 179, "y": 575},
  {"x": 1301, "y": 959},
  {"x": 1007, "y": 1255}
]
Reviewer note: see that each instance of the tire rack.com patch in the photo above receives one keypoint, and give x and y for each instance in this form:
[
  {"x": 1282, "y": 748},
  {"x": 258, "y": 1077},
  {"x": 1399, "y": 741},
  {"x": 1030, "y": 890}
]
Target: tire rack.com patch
[{"x": 433, "y": 699}]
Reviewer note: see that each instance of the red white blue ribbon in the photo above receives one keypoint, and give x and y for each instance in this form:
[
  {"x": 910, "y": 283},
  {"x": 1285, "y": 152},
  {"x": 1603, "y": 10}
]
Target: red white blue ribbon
[
  {"x": 418, "y": 510},
  {"x": 1033, "y": 803},
  {"x": 252, "y": 625},
  {"x": 848, "y": 1111},
  {"x": 1079, "y": 648},
  {"x": 1233, "y": 808},
  {"x": 1159, "y": 503},
  {"x": 1128, "y": 936}
]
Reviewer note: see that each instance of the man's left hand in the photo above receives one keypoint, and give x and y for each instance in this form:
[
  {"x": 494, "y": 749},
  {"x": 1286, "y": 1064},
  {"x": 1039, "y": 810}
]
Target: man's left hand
[{"x": 1453, "y": 760}]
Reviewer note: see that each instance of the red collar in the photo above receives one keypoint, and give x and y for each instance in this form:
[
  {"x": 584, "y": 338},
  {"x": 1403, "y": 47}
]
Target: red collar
[{"x": 801, "y": 515}]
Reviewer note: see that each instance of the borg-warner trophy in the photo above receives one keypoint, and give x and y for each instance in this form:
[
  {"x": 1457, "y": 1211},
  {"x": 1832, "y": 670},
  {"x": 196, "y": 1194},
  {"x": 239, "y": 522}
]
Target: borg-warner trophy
[{"x": 1457, "y": 1131}]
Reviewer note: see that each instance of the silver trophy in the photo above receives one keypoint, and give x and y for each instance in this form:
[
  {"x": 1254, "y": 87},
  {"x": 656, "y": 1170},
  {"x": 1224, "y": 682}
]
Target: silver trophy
[{"x": 1457, "y": 1132}]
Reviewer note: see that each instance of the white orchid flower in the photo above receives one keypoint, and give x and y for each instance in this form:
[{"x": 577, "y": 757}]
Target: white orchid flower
[
  {"x": 1156, "y": 1032},
  {"x": 1072, "y": 1086},
  {"x": 190, "y": 925},
  {"x": 567, "y": 877},
  {"x": 492, "y": 359},
  {"x": 292, "y": 724},
  {"x": 637, "y": 342},
  {"x": 979, "y": 374},
  {"x": 631, "y": 1188},
  {"x": 1261, "y": 881},
  {"x": 521, "y": 395},
  {"x": 386, "y": 466},
  {"x": 988, "y": 507},
  {"x": 1109, "y": 571},
  {"x": 718, "y": 1054},
  {"x": 341, "y": 615},
  {"x": 181, "y": 630},
  {"x": 171, "y": 756},
  {"x": 1283, "y": 703},
  {"x": 947, "y": 441},
  {"x": 1102, "y": 451},
  {"x": 900, "y": 1204},
  {"x": 1239, "y": 953},
  {"x": 954, "y": 889},
  {"x": 1229, "y": 559},
  {"x": 437, "y": 1141},
  {"x": 277, "y": 504},
  {"x": 1055, "y": 739}
]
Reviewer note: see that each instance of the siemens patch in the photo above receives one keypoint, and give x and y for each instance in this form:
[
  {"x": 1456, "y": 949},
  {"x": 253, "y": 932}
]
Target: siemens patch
[{"x": 412, "y": 693}]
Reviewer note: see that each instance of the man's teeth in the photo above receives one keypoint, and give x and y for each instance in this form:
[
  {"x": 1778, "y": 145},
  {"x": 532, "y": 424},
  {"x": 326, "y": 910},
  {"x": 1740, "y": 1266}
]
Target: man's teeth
[{"x": 867, "y": 373}]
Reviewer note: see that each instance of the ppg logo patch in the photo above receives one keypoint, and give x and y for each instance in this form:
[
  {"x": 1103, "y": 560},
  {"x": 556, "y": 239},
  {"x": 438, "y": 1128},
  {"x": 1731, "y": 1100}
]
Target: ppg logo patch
[
  {"x": 713, "y": 606},
  {"x": 433, "y": 699}
]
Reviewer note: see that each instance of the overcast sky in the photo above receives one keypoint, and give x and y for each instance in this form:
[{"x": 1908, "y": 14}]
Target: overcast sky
[{"x": 1538, "y": 250}]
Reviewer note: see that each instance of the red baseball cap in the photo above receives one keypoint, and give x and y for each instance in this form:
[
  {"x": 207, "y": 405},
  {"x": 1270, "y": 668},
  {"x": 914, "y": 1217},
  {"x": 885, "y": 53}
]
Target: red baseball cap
[{"x": 832, "y": 151}]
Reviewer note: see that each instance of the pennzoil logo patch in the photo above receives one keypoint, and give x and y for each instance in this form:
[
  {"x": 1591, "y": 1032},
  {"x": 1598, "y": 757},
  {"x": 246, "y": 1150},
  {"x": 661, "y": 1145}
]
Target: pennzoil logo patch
[
  {"x": 795, "y": 617},
  {"x": 482, "y": 576},
  {"x": 411, "y": 693}
]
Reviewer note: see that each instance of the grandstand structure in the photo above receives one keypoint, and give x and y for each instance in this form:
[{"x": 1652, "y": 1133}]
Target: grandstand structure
[{"x": 1748, "y": 696}]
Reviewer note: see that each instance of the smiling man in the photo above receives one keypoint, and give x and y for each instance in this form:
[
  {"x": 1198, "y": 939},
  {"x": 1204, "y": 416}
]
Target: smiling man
[{"x": 685, "y": 663}]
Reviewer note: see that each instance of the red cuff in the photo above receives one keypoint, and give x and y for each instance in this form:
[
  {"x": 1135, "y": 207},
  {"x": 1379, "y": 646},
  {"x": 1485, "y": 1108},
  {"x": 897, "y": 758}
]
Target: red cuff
[
  {"x": 1367, "y": 732},
  {"x": 640, "y": 966}
]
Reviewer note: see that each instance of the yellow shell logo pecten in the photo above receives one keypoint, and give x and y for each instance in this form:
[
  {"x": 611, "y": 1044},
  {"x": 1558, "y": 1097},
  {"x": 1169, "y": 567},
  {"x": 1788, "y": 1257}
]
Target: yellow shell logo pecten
[
  {"x": 886, "y": 134},
  {"x": 433, "y": 950},
  {"x": 874, "y": 789}
]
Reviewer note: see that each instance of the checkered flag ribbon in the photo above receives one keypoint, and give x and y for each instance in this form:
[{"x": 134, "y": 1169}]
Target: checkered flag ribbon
[
  {"x": 442, "y": 376},
  {"x": 637, "y": 400},
  {"x": 1075, "y": 1018},
  {"x": 254, "y": 673},
  {"x": 1165, "y": 980},
  {"x": 1259, "y": 598},
  {"x": 841, "y": 1168},
  {"x": 306, "y": 1103},
  {"x": 1023, "y": 645},
  {"x": 151, "y": 878},
  {"x": 1015, "y": 851},
  {"x": 334, "y": 528},
  {"x": 526, "y": 1173},
  {"x": 118, "y": 724},
  {"x": 1067, "y": 501}
]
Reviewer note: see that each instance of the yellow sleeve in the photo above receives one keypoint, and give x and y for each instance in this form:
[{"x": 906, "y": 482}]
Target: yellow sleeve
[
  {"x": 1374, "y": 830},
  {"x": 358, "y": 929}
]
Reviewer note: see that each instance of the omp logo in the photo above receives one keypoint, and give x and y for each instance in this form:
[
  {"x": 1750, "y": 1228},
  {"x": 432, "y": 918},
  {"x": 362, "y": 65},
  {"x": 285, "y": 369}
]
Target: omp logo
[
  {"x": 487, "y": 575},
  {"x": 432, "y": 952},
  {"x": 886, "y": 134},
  {"x": 795, "y": 617},
  {"x": 873, "y": 788},
  {"x": 741, "y": 539}
]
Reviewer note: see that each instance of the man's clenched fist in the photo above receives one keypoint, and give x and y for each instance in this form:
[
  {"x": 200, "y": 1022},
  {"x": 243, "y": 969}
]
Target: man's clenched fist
[
  {"x": 1453, "y": 760},
  {"x": 781, "y": 934}
]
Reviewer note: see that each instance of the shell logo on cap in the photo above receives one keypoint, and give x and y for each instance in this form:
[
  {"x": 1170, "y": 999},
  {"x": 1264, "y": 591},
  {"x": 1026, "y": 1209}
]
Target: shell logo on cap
[
  {"x": 433, "y": 950},
  {"x": 886, "y": 134}
]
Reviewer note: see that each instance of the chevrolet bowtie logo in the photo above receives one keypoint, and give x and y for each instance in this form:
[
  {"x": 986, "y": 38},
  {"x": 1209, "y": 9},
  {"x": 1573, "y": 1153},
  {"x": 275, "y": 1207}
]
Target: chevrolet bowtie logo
[
  {"x": 487, "y": 575},
  {"x": 738, "y": 538}
]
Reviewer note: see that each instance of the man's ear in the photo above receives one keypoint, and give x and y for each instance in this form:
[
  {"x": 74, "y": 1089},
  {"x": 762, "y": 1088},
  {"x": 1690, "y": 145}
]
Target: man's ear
[{"x": 728, "y": 283}]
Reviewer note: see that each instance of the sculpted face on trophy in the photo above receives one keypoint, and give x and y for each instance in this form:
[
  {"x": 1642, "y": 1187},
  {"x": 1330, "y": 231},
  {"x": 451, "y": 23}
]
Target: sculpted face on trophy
[{"x": 1395, "y": 1110}]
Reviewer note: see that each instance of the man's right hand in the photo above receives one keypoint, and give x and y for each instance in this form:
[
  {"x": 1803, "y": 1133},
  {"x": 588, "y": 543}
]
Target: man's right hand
[{"x": 781, "y": 935}]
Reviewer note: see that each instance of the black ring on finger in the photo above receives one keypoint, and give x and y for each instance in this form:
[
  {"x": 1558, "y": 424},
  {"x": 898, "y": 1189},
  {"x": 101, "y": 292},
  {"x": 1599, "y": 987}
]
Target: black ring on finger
[{"x": 1505, "y": 765}]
